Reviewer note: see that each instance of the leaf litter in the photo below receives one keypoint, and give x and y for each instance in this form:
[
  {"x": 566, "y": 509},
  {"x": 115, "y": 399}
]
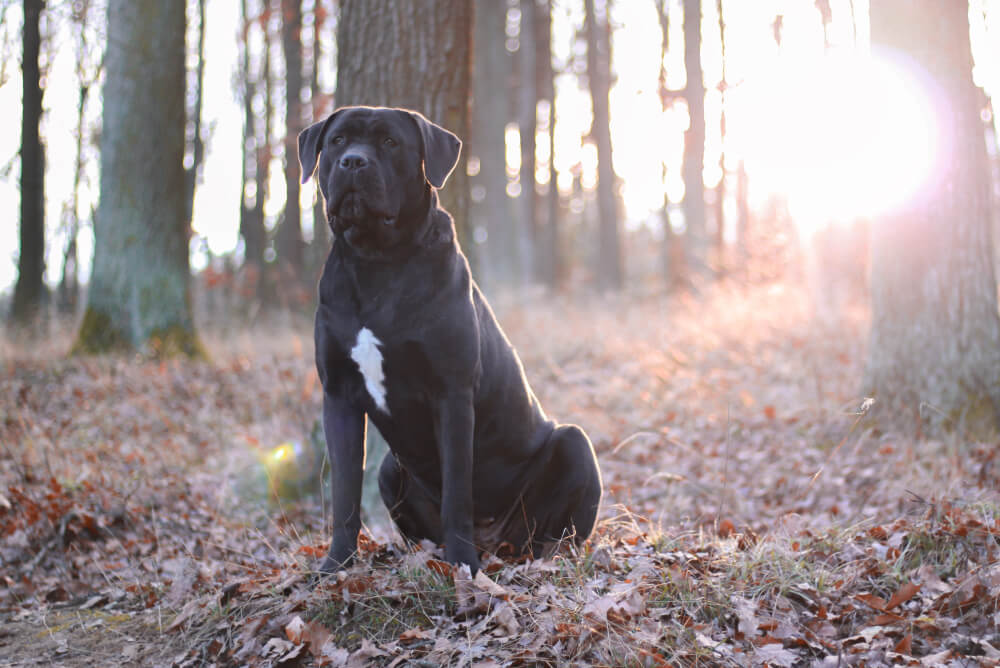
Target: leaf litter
[{"x": 751, "y": 517}]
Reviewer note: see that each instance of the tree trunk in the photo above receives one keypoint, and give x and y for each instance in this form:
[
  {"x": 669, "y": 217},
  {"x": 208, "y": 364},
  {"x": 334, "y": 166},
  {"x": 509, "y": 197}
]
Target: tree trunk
[
  {"x": 489, "y": 120},
  {"x": 526, "y": 221},
  {"x": 322, "y": 235},
  {"x": 934, "y": 350},
  {"x": 197, "y": 143},
  {"x": 610, "y": 274},
  {"x": 251, "y": 209},
  {"x": 139, "y": 296},
  {"x": 719, "y": 210},
  {"x": 30, "y": 287},
  {"x": 693, "y": 164},
  {"x": 414, "y": 54},
  {"x": 549, "y": 260},
  {"x": 290, "y": 244}
]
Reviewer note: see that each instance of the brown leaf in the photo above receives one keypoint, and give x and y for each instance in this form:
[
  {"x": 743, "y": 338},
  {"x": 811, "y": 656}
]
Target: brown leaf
[
  {"x": 415, "y": 634},
  {"x": 470, "y": 598},
  {"x": 902, "y": 595},
  {"x": 872, "y": 601},
  {"x": 440, "y": 567},
  {"x": 905, "y": 646},
  {"x": 483, "y": 581},
  {"x": 295, "y": 630}
]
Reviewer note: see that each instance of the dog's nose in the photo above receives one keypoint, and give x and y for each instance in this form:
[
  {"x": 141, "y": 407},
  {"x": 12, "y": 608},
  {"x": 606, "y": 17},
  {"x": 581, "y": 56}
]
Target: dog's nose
[{"x": 353, "y": 161}]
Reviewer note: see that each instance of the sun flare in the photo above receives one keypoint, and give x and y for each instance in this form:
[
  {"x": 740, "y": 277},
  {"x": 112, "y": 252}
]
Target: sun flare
[{"x": 850, "y": 138}]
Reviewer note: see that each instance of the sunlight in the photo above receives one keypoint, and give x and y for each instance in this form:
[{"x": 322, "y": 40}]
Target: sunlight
[
  {"x": 281, "y": 452},
  {"x": 845, "y": 137}
]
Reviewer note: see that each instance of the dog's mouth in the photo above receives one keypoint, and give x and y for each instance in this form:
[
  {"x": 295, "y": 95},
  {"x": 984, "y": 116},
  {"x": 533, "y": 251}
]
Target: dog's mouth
[{"x": 355, "y": 209}]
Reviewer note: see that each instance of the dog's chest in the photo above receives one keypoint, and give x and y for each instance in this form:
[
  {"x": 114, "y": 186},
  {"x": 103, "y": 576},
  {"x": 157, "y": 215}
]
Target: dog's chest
[{"x": 367, "y": 354}]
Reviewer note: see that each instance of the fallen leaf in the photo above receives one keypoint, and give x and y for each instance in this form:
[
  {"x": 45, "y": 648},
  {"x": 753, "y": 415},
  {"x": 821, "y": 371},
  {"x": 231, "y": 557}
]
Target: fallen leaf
[
  {"x": 902, "y": 595},
  {"x": 415, "y": 634},
  {"x": 774, "y": 655},
  {"x": 295, "y": 630}
]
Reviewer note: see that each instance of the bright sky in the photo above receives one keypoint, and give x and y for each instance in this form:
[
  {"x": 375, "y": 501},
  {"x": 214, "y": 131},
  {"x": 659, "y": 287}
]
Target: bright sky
[{"x": 842, "y": 134}]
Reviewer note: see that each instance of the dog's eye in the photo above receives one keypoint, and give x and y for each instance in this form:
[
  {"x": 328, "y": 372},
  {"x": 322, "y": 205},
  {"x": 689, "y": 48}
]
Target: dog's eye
[
  {"x": 390, "y": 142},
  {"x": 339, "y": 139}
]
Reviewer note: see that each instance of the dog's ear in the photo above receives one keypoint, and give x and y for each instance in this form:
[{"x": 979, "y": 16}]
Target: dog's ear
[
  {"x": 310, "y": 140},
  {"x": 441, "y": 149}
]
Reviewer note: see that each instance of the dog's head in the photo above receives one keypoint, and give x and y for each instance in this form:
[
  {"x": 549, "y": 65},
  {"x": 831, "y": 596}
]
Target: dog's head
[{"x": 377, "y": 167}]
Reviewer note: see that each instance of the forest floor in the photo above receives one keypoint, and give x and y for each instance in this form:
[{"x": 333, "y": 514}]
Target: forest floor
[{"x": 751, "y": 517}]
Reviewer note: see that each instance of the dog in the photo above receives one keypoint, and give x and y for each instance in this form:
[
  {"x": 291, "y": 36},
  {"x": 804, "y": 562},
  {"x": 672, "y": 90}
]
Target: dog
[{"x": 405, "y": 338}]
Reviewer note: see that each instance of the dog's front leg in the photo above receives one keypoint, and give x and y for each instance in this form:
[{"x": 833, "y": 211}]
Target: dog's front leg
[
  {"x": 454, "y": 421},
  {"x": 344, "y": 426}
]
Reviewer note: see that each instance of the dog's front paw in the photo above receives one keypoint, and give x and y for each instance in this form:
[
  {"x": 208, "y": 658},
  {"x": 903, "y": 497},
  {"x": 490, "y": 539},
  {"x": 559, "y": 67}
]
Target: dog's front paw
[
  {"x": 331, "y": 565},
  {"x": 463, "y": 553},
  {"x": 340, "y": 556}
]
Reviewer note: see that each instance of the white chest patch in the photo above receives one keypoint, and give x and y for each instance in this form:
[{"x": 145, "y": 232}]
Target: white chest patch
[{"x": 368, "y": 357}]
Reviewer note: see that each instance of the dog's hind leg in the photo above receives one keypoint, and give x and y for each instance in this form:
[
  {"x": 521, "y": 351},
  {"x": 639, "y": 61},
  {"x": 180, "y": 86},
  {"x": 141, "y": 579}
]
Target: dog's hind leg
[
  {"x": 565, "y": 497},
  {"x": 415, "y": 513}
]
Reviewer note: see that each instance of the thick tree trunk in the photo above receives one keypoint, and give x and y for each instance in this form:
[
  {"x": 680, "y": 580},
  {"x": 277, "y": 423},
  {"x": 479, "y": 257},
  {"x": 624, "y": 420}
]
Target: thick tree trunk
[
  {"x": 489, "y": 120},
  {"x": 693, "y": 164},
  {"x": 934, "y": 351},
  {"x": 415, "y": 54},
  {"x": 610, "y": 273},
  {"x": 139, "y": 290},
  {"x": 290, "y": 244},
  {"x": 30, "y": 286}
]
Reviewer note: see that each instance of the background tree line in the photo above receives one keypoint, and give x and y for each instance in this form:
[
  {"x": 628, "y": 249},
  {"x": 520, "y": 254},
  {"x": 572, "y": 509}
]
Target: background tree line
[{"x": 488, "y": 71}]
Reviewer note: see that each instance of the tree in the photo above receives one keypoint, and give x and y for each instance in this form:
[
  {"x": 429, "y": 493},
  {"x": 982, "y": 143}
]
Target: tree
[
  {"x": 257, "y": 111},
  {"x": 610, "y": 274},
  {"x": 197, "y": 141},
  {"x": 490, "y": 82},
  {"x": 549, "y": 261},
  {"x": 934, "y": 350},
  {"x": 139, "y": 295},
  {"x": 30, "y": 286},
  {"x": 290, "y": 245},
  {"x": 527, "y": 123},
  {"x": 415, "y": 54},
  {"x": 693, "y": 164}
]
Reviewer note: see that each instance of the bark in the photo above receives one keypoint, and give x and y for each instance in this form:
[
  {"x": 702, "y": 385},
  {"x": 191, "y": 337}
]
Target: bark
[
  {"x": 197, "y": 143},
  {"x": 610, "y": 274},
  {"x": 139, "y": 296},
  {"x": 251, "y": 216},
  {"x": 30, "y": 287},
  {"x": 415, "y": 54},
  {"x": 549, "y": 260},
  {"x": 693, "y": 164},
  {"x": 322, "y": 235},
  {"x": 934, "y": 350},
  {"x": 489, "y": 120},
  {"x": 290, "y": 244},
  {"x": 527, "y": 202},
  {"x": 671, "y": 267},
  {"x": 720, "y": 190}
]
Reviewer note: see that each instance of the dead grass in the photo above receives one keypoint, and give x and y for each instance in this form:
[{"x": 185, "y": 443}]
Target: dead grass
[{"x": 749, "y": 516}]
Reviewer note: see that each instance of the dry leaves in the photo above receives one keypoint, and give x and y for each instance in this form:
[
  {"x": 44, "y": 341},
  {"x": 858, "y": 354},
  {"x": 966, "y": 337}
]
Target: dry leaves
[{"x": 746, "y": 522}]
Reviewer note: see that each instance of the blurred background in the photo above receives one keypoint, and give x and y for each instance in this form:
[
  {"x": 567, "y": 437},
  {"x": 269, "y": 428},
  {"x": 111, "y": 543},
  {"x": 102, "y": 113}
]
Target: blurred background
[
  {"x": 728, "y": 139},
  {"x": 635, "y": 147}
]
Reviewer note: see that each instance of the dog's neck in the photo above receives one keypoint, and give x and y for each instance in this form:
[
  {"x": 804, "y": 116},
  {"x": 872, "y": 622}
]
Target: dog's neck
[{"x": 430, "y": 225}]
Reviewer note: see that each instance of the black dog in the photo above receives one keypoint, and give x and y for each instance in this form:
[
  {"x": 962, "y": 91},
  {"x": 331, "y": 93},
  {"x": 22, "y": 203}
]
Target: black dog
[{"x": 404, "y": 336}]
